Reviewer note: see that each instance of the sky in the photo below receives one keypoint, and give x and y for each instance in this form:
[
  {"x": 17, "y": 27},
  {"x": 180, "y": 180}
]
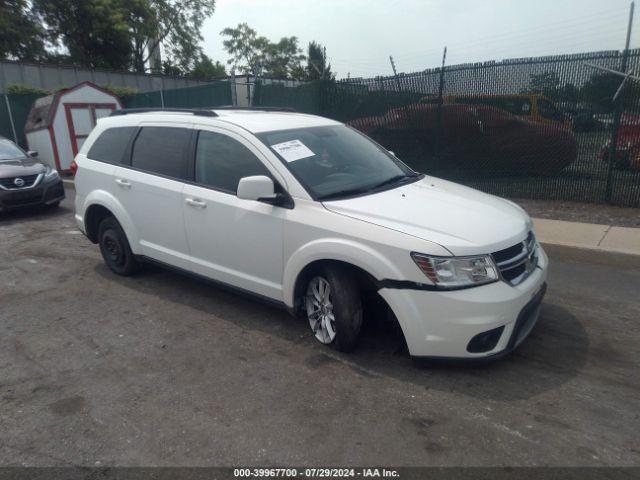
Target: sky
[{"x": 361, "y": 34}]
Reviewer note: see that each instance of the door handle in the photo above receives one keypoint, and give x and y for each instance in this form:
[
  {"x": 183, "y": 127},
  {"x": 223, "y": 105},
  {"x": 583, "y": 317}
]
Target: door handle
[
  {"x": 192, "y": 202},
  {"x": 123, "y": 183}
]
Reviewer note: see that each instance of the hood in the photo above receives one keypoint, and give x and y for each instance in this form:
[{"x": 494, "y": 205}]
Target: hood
[
  {"x": 19, "y": 167},
  {"x": 461, "y": 219}
]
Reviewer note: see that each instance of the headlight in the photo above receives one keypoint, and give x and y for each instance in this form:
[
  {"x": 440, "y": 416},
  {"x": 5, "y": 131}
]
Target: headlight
[
  {"x": 457, "y": 272},
  {"x": 50, "y": 173}
]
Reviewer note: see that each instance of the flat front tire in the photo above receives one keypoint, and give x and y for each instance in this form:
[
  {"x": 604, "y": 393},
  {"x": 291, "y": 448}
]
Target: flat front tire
[
  {"x": 334, "y": 308},
  {"x": 115, "y": 248}
]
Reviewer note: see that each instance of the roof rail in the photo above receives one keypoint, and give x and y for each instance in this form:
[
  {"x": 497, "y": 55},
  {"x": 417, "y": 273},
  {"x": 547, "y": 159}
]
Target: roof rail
[
  {"x": 195, "y": 111},
  {"x": 260, "y": 109}
]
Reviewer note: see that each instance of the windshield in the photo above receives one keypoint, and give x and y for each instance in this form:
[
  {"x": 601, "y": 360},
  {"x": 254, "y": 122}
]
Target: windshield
[
  {"x": 9, "y": 150},
  {"x": 336, "y": 161}
]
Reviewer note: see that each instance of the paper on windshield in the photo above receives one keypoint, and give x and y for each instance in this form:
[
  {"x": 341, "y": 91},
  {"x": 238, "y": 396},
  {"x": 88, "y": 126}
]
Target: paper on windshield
[{"x": 292, "y": 150}]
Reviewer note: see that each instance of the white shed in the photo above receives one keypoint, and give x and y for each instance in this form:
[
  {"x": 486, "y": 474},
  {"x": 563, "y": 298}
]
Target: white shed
[{"x": 58, "y": 124}]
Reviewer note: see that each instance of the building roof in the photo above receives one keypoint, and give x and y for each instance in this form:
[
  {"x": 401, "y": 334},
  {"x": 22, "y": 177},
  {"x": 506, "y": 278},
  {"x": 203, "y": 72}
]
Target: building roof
[{"x": 44, "y": 109}]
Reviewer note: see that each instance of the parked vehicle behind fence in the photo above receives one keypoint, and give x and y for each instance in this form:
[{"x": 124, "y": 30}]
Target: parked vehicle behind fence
[
  {"x": 476, "y": 140},
  {"x": 310, "y": 214},
  {"x": 628, "y": 144},
  {"x": 528, "y": 106}
]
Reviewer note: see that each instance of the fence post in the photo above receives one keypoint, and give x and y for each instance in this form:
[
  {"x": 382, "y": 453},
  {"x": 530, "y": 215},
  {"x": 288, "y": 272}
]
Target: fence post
[
  {"x": 162, "y": 98},
  {"x": 13, "y": 125},
  {"x": 617, "y": 115},
  {"x": 436, "y": 143}
]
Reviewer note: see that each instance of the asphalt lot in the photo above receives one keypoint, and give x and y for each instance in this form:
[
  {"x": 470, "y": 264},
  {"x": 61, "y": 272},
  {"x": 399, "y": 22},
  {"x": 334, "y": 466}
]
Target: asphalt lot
[{"x": 160, "y": 369}]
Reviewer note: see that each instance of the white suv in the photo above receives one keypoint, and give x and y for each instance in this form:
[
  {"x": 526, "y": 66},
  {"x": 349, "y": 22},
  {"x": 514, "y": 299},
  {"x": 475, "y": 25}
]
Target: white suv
[{"x": 311, "y": 214}]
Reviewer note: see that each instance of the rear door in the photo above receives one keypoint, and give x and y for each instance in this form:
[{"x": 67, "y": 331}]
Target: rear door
[{"x": 150, "y": 189}]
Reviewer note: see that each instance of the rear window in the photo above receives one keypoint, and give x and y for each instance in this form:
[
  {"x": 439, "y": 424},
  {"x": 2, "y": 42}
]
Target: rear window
[
  {"x": 162, "y": 150},
  {"x": 110, "y": 146}
]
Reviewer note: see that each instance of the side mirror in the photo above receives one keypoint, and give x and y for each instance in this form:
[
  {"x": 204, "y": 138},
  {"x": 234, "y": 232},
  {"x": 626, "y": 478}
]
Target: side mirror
[
  {"x": 258, "y": 187},
  {"x": 32, "y": 153}
]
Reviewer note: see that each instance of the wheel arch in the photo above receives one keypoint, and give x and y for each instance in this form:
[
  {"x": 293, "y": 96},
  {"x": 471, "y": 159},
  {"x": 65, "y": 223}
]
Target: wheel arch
[
  {"x": 100, "y": 204},
  {"x": 367, "y": 264}
]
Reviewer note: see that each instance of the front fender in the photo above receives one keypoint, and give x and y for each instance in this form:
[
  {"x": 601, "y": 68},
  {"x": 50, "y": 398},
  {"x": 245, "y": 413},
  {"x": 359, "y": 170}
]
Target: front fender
[
  {"x": 354, "y": 253},
  {"x": 111, "y": 203}
]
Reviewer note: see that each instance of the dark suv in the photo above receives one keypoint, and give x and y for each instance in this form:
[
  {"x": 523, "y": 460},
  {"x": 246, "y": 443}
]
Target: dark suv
[{"x": 24, "y": 181}]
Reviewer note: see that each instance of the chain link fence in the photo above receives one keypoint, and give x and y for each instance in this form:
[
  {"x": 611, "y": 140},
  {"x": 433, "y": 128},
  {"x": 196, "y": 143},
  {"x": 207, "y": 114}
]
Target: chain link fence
[{"x": 523, "y": 128}]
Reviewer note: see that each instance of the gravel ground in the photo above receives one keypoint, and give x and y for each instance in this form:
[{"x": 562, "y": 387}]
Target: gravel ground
[{"x": 159, "y": 369}]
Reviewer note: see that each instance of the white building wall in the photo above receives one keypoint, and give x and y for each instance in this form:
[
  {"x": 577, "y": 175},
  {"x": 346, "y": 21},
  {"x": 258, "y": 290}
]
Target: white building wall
[
  {"x": 41, "y": 142},
  {"x": 85, "y": 94}
]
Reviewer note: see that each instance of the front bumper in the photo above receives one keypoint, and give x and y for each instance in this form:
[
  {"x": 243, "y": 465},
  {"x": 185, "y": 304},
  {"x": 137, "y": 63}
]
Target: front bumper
[
  {"x": 44, "y": 193},
  {"x": 441, "y": 324}
]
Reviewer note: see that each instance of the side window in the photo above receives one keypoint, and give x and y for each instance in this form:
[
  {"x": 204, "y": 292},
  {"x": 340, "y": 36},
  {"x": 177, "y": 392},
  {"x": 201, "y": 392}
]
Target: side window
[
  {"x": 162, "y": 150},
  {"x": 222, "y": 161},
  {"x": 110, "y": 146}
]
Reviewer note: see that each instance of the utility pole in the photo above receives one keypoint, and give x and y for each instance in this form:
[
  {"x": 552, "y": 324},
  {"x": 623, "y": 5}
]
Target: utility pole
[{"x": 617, "y": 115}]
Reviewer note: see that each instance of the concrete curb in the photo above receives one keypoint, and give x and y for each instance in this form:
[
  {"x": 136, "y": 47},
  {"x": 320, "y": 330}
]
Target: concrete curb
[{"x": 588, "y": 236}]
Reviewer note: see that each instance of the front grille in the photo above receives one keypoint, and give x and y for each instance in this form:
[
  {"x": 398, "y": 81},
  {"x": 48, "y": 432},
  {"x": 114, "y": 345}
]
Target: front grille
[
  {"x": 518, "y": 261},
  {"x": 10, "y": 182}
]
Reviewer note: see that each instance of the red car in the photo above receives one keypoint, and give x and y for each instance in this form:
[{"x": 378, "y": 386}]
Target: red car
[
  {"x": 628, "y": 143},
  {"x": 477, "y": 139}
]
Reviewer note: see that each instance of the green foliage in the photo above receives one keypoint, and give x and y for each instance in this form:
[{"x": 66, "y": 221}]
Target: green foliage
[
  {"x": 256, "y": 55},
  {"x": 18, "y": 89},
  {"x": 176, "y": 24},
  {"x": 205, "y": 69},
  {"x": 317, "y": 67},
  {"x": 598, "y": 90},
  {"x": 96, "y": 33},
  {"x": 21, "y": 35},
  {"x": 120, "y": 91},
  {"x": 113, "y": 34}
]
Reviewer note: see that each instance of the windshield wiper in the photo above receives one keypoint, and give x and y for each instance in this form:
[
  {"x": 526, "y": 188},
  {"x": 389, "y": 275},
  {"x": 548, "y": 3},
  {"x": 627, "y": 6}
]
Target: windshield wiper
[
  {"x": 396, "y": 179},
  {"x": 344, "y": 193}
]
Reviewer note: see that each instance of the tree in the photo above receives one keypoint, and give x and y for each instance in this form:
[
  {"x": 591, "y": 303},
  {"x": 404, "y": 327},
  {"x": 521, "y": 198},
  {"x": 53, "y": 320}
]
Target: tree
[
  {"x": 283, "y": 59},
  {"x": 94, "y": 32},
  {"x": 123, "y": 34},
  {"x": 245, "y": 47},
  {"x": 256, "y": 55},
  {"x": 205, "y": 69},
  {"x": 21, "y": 36},
  {"x": 317, "y": 67},
  {"x": 175, "y": 24}
]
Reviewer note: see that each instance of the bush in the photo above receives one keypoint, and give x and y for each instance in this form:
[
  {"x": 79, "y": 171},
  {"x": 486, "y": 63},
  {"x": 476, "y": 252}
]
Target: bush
[
  {"x": 121, "y": 91},
  {"x": 18, "y": 89}
]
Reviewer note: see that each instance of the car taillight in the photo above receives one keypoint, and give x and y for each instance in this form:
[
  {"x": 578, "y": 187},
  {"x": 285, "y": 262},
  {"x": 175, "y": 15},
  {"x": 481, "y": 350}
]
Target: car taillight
[{"x": 73, "y": 167}]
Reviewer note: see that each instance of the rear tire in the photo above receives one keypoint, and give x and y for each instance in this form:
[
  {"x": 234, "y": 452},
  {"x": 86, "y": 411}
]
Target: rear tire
[
  {"x": 115, "y": 248},
  {"x": 334, "y": 307}
]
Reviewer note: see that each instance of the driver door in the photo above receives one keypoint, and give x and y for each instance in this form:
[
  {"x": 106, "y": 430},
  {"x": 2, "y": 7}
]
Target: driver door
[{"x": 231, "y": 240}]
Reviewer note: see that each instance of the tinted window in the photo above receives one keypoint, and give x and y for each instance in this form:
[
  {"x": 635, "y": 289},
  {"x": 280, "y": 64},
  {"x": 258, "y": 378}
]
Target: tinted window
[
  {"x": 222, "y": 161},
  {"x": 109, "y": 147},
  {"x": 162, "y": 150}
]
